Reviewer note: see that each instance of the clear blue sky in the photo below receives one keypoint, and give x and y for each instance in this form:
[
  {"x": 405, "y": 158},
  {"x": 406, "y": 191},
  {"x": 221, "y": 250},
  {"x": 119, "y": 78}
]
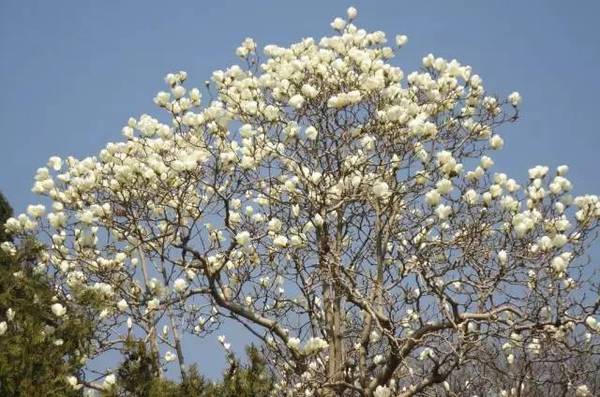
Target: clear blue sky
[{"x": 72, "y": 72}]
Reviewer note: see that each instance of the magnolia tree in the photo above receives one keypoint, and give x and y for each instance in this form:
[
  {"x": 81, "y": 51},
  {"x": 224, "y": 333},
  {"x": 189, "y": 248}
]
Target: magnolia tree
[{"x": 349, "y": 216}]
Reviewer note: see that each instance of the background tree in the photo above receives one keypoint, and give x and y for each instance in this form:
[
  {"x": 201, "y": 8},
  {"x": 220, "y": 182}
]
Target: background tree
[
  {"x": 249, "y": 379},
  {"x": 6, "y": 212},
  {"x": 136, "y": 377},
  {"x": 38, "y": 351},
  {"x": 345, "y": 214}
]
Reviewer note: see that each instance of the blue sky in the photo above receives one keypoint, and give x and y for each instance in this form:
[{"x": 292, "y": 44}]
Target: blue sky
[{"x": 72, "y": 72}]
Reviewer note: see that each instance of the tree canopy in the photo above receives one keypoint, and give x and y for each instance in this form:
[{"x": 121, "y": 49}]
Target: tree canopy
[{"x": 347, "y": 214}]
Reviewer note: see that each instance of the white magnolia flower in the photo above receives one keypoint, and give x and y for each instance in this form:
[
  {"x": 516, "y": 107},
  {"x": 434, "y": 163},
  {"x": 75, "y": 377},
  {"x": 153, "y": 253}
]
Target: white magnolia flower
[
  {"x": 58, "y": 309},
  {"x": 401, "y": 40},
  {"x": 486, "y": 162},
  {"x": 153, "y": 304},
  {"x": 3, "y": 327},
  {"x": 352, "y": 13},
  {"x": 315, "y": 345},
  {"x": 280, "y": 241},
  {"x": 242, "y": 238},
  {"x": 10, "y": 314},
  {"x": 559, "y": 264},
  {"x": 443, "y": 211},
  {"x": 178, "y": 91},
  {"x": 318, "y": 220},
  {"x": 9, "y": 248},
  {"x": 73, "y": 382},
  {"x": 296, "y": 101},
  {"x": 514, "y": 98},
  {"x": 502, "y": 257},
  {"x": 545, "y": 243},
  {"x": 562, "y": 170},
  {"x": 432, "y": 198},
  {"x": 381, "y": 190},
  {"x": 120, "y": 257},
  {"x": 426, "y": 353},
  {"x": 534, "y": 347},
  {"x": 510, "y": 359},
  {"x": 55, "y": 163},
  {"x": 293, "y": 343},
  {"x": 275, "y": 225},
  {"x": 374, "y": 336},
  {"x": 496, "y": 142},
  {"x": 382, "y": 391},
  {"x": 592, "y": 323},
  {"x": 109, "y": 381},
  {"x": 539, "y": 171},
  {"x": 311, "y": 133},
  {"x": 471, "y": 197},
  {"x": 122, "y": 305},
  {"x": 309, "y": 91},
  {"x": 338, "y": 24},
  {"x": 36, "y": 211},
  {"x": 180, "y": 285},
  {"x": 444, "y": 186},
  {"x": 582, "y": 391},
  {"x": 248, "y": 46},
  {"x": 169, "y": 356},
  {"x": 195, "y": 95},
  {"x": 86, "y": 217}
]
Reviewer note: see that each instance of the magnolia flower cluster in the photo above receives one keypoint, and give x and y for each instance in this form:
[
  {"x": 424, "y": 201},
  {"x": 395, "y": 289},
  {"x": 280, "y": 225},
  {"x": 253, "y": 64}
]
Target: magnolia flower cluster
[{"x": 312, "y": 346}]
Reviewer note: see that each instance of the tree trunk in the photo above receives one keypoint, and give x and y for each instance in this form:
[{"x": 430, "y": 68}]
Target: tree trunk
[
  {"x": 333, "y": 316},
  {"x": 152, "y": 335}
]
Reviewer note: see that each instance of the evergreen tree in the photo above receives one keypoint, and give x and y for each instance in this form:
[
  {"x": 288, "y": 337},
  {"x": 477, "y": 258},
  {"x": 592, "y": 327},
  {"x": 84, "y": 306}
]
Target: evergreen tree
[
  {"x": 5, "y": 213},
  {"x": 136, "y": 378},
  {"x": 38, "y": 350},
  {"x": 250, "y": 380}
]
